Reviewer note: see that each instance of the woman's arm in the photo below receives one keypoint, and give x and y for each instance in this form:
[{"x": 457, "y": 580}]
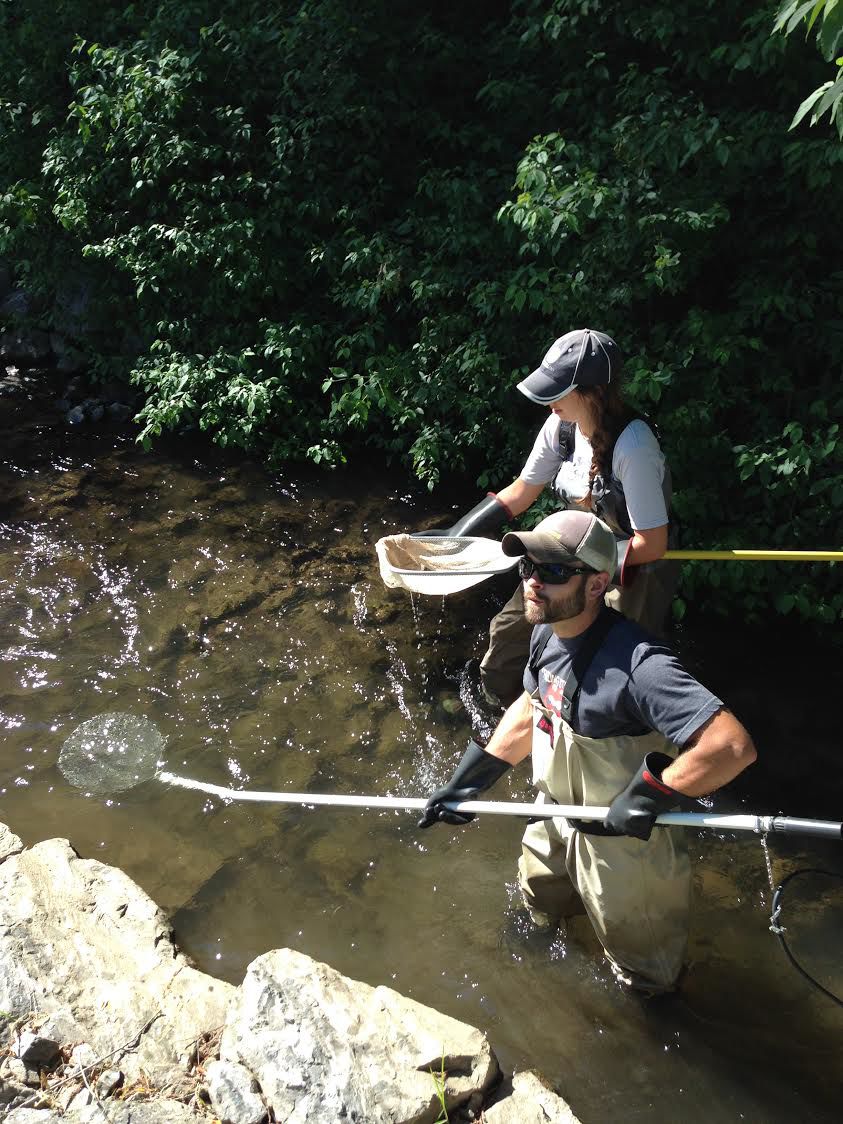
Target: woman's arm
[
  {"x": 519, "y": 495},
  {"x": 638, "y": 462},
  {"x": 647, "y": 546}
]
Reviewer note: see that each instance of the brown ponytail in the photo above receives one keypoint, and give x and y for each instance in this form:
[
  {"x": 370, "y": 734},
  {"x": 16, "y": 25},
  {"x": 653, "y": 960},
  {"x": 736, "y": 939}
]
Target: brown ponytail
[{"x": 611, "y": 415}]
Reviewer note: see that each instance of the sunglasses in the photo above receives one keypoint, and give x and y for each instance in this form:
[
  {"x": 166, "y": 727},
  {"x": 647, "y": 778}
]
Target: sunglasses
[{"x": 550, "y": 573}]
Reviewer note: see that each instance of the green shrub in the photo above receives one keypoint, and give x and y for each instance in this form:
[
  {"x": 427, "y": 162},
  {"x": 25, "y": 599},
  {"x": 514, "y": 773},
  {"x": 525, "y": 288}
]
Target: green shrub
[{"x": 300, "y": 232}]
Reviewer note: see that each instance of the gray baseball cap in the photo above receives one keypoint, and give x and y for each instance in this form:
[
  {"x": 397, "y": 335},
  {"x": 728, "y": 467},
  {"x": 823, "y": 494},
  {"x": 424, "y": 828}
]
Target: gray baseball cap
[
  {"x": 567, "y": 536},
  {"x": 579, "y": 358}
]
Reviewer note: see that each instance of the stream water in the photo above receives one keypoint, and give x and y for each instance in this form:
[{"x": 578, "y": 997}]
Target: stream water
[{"x": 242, "y": 613}]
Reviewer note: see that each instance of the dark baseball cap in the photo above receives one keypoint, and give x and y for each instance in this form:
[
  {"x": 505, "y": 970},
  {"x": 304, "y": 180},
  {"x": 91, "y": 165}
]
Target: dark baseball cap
[
  {"x": 579, "y": 358},
  {"x": 566, "y": 537}
]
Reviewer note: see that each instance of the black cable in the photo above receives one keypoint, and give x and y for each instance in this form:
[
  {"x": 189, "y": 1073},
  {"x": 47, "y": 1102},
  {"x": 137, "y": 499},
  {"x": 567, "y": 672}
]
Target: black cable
[{"x": 779, "y": 930}]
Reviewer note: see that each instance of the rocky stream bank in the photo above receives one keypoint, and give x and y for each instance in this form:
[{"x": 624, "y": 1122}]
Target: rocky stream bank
[{"x": 104, "y": 1019}]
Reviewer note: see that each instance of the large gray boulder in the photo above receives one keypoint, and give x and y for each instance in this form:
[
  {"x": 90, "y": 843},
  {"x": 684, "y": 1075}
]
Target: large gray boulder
[
  {"x": 530, "y": 1100},
  {"x": 10, "y": 844},
  {"x": 233, "y": 1092},
  {"x": 324, "y": 1047},
  {"x": 81, "y": 942}
]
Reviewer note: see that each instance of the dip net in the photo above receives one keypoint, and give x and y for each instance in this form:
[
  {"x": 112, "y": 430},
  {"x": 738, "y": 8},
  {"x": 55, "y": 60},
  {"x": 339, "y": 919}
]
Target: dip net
[
  {"x": 111, "y": 753},
  {"x": 439, "y": 565}
]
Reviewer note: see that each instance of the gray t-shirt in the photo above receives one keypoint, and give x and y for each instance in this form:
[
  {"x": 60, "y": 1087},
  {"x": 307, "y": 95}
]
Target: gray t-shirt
[
  {"x": 637, "y": 462},
  {"x": 633, "y": 685}
]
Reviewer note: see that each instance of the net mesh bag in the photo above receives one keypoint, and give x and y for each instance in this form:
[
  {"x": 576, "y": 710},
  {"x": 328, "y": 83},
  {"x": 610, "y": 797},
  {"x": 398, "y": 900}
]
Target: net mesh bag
[
  {"x": 439, "y": 565},
  {"x": 111, "y": 753}
]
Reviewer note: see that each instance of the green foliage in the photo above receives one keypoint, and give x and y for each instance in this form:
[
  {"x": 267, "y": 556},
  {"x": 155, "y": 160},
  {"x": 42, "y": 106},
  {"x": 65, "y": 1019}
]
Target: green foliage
[
  {"x": 636, "y": 217},
  {"x": 827, "y": 17},
  {"x": 439, "y": 1087},
  {"x": 300, "y": 233}
]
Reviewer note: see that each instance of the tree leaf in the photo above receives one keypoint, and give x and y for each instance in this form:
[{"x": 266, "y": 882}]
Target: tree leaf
[
  {"x": 830, "y": 36},
  {"x": 806, "y": 105}
]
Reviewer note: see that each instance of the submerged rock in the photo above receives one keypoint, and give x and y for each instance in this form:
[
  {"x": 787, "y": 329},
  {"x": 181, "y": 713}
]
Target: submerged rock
[{"x": 28, "y": 348}]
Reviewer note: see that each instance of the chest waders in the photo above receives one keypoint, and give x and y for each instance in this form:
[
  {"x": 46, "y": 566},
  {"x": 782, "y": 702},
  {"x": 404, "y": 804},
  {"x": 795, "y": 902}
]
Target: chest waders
[
  {"x": 648, "y": 598},
  {"x": 636, "y": 894}
]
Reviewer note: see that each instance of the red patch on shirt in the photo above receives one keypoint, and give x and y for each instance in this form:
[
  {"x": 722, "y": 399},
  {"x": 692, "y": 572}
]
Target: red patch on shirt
[{"x": 554, "y": 697}]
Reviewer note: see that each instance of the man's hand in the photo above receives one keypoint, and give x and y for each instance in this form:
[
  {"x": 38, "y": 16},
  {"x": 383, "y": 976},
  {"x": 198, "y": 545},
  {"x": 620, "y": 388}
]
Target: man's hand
[
  {"x": 720, "y": 750},
  {"x": 634, "y": 811},
  {"x": 477, "y": 771}
]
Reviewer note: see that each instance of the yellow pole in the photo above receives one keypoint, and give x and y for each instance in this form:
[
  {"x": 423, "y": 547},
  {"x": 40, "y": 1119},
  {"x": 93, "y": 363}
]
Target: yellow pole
[{"x": 760, "y": 555}]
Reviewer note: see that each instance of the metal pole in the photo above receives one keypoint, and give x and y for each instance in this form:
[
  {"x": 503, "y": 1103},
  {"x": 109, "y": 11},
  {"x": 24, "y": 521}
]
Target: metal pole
[
  {"x": 759, "y": 555},
  {"x": 758, "y": 824}
]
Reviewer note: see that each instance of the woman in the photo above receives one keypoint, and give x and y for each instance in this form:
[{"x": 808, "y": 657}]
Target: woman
[{"x": 600, "y": 457}]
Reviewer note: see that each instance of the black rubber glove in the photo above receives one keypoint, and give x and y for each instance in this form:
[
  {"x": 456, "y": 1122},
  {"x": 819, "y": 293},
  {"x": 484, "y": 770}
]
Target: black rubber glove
[
  {"x": 633, "y": 811},
  {"x": 477, "y": 771},
  {"x": 488, "y": 515}
]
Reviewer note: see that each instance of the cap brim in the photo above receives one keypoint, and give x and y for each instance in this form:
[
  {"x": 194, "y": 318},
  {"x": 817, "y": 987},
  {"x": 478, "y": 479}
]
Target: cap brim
[
  {"x": 541, "y": 548},
  {"x": 543, "y": 388}
]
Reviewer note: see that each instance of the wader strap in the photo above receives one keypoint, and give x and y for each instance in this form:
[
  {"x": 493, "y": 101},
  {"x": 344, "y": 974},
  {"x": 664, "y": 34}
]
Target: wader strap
[
  {"x": 534, "y": 661},
  {"x": 582, "y": 661},
  {"x": 567, "y": 431}
]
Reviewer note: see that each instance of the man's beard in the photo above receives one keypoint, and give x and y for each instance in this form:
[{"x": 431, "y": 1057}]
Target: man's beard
[{"x": 550, "y": 609}]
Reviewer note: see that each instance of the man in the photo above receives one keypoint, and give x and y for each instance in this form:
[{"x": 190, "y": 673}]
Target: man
[{"x": 605, "y": 710}]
